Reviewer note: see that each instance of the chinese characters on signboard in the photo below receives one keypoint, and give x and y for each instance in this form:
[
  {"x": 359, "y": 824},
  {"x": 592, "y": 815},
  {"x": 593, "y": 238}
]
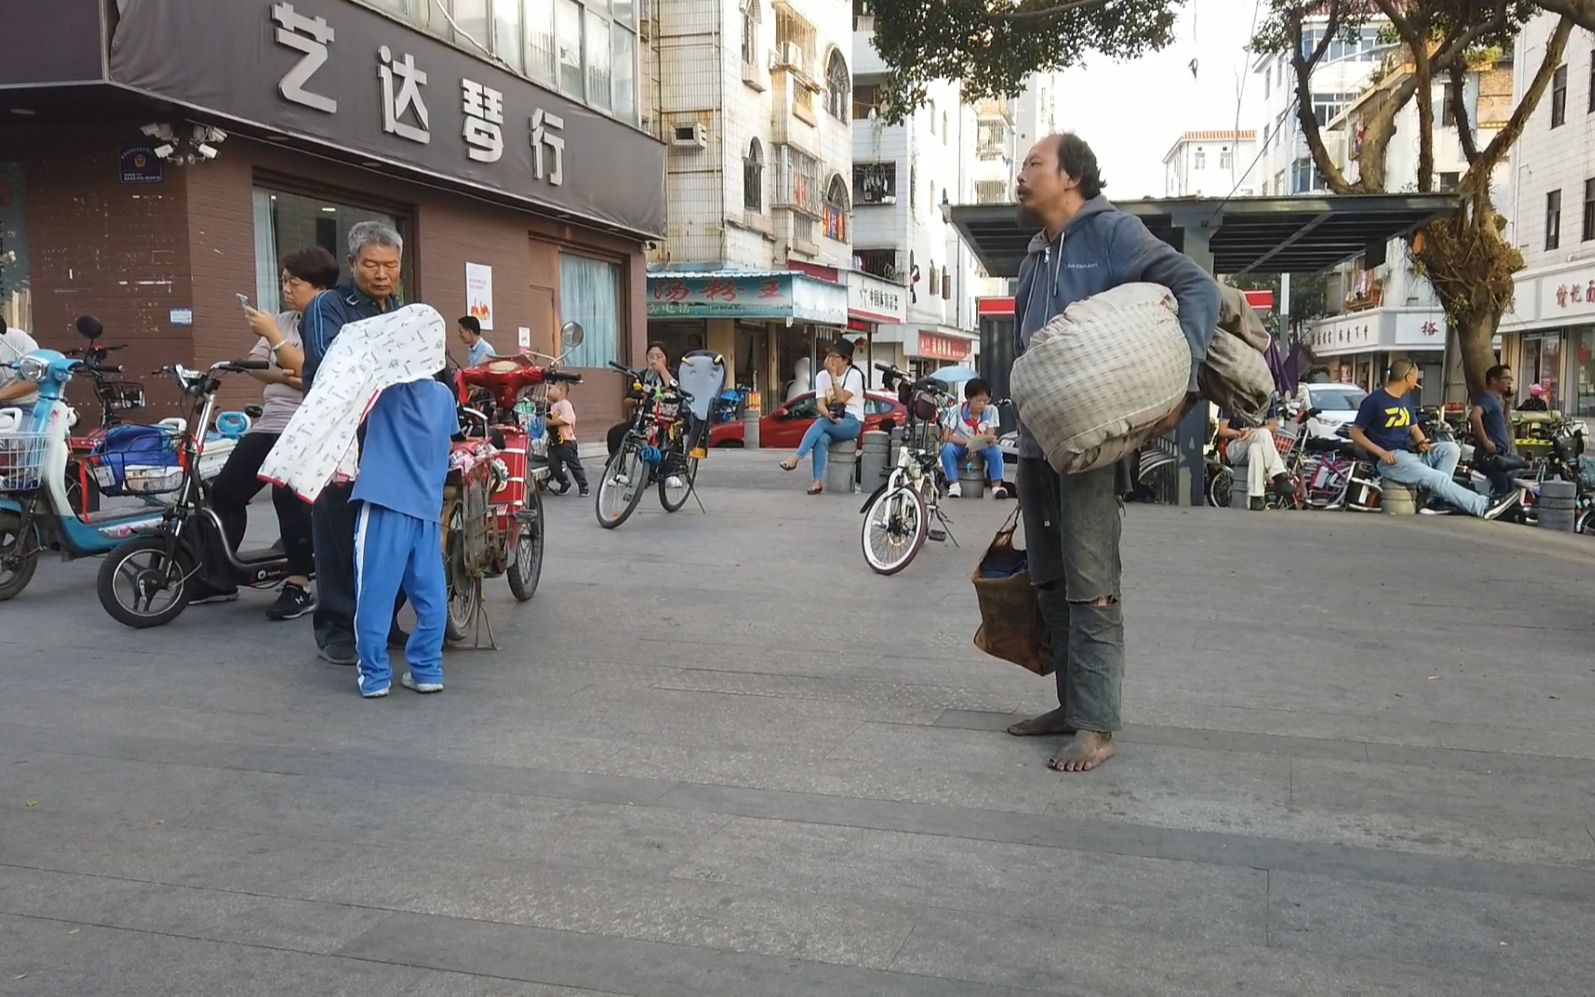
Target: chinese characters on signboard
[
  {"x": 936, "y": 346},
  {"x": 1578, "y": 292},
  {"x": 404, "y": 111},
  {"x": 718, "y": 297}
]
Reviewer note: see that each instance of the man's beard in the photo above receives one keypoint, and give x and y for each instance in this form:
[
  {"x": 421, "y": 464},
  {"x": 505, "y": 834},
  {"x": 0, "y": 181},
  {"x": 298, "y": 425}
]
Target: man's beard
[{"x": 1028, "y": 220}]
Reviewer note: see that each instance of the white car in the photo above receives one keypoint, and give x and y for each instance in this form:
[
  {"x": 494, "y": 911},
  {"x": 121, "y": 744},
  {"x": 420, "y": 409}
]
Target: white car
[{"x": 1339, "y": 403}]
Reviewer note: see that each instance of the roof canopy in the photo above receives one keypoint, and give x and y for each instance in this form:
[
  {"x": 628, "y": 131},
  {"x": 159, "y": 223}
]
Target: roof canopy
[{"x": 1299, "y": 234}]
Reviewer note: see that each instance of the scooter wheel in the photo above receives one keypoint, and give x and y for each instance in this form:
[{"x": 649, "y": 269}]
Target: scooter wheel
[
  {"x": 140, "y": 586},
  {"x": 15, "y": 574}
]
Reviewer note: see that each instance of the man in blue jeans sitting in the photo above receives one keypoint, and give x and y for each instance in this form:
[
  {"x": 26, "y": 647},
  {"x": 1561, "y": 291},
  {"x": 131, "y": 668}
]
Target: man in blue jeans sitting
[
  {"x": 972, "y": 427},
  {"x": 1387, "y": 424}
]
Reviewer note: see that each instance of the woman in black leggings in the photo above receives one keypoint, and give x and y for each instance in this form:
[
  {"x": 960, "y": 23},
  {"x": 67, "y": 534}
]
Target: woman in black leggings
[{"x": 305, "y": 274}]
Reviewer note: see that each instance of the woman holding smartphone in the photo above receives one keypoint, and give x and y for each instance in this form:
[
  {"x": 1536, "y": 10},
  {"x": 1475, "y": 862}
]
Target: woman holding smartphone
[{"x": 305, "y": 274}]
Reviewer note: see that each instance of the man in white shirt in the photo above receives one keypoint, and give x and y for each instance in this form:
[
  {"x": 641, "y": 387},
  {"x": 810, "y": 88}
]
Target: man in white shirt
[
  {"x": 972, "y": 428},
  {"x": 14, "y": 345}
]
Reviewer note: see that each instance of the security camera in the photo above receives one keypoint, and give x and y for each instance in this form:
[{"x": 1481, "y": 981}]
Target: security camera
[
  {"x": 159, "y": 131},
  {"x": 165, "y": 150},
  {"x": 207, "y": 151}
]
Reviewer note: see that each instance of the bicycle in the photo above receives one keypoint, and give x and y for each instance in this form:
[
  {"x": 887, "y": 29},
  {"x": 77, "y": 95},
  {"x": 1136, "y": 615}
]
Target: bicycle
[
  {"x": 655, "y": 450},
  {"x": 898, "y": 515}
]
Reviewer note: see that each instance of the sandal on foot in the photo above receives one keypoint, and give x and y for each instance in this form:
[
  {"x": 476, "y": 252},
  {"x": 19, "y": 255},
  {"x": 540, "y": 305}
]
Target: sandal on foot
[
  {"x": 816, "y": 489},
  {"x": 789, "y": 465}
]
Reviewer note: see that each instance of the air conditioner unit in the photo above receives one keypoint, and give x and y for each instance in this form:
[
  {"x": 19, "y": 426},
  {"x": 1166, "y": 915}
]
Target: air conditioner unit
[{"x": 693, "y": 136}]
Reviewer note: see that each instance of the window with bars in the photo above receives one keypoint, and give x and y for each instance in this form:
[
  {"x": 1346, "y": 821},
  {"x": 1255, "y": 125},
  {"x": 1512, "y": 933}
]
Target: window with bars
[
  {"x": 798, "y": 182},
  {"x": 880, "y": 262},
  {"x": 753, "y": 177},
  {"x": 836, "y": 209}
]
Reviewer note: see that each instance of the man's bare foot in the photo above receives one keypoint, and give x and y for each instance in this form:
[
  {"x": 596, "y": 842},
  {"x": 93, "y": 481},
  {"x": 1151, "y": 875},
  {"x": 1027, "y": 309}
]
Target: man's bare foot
[
  {"x": 1084, "y": 752},
  {"x": 1048, "y": 724}
]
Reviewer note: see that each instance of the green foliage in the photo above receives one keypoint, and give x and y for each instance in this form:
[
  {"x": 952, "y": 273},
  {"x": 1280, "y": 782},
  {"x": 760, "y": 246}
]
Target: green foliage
[{"x": 992, "y": 46}]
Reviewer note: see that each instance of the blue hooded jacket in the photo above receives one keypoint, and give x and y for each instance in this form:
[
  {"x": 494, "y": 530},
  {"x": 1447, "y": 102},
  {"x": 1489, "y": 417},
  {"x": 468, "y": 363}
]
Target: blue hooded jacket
[
  {"x": 329, "y": 313},
  {"x": 1100, "y": 248}
]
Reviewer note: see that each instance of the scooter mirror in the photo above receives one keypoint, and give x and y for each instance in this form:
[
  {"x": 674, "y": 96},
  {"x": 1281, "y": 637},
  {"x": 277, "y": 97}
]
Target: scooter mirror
[
  {"x": 89, "y": 327},
  {"x": 572, "y": 334}
]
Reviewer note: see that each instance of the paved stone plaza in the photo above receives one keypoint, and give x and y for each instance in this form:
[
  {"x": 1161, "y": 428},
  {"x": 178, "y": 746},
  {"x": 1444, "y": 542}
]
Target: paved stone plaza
[{"x": 716, "y": 756}]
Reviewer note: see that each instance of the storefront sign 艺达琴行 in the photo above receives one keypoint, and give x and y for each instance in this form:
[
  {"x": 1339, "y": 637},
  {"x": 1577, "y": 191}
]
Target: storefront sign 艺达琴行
[
  {"x": 870, "y": 297},
  {"x": 936, "y": 346},
  {"x": 758, "y": 296},
  {"x": 370, "y": 87}
]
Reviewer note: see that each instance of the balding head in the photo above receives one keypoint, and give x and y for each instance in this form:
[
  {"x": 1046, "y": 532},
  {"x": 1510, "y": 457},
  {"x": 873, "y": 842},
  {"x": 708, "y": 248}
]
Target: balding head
[{"x": 1059, "y": 175}]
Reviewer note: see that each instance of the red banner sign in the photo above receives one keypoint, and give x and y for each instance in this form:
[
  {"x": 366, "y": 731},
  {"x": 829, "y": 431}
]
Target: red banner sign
[{"x": 938, "y": 347}]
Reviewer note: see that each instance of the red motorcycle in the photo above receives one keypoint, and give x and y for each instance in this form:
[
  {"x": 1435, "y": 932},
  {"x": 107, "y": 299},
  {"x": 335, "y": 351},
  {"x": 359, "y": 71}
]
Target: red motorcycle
[{"x": 492, "y": 500}]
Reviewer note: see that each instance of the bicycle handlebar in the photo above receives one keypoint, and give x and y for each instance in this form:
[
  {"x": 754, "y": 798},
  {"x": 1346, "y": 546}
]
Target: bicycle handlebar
[{"x": 567, "y": 377}]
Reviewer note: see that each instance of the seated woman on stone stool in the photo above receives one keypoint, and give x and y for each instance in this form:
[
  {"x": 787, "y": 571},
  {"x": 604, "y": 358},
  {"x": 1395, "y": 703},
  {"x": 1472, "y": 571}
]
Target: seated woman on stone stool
[{"x": 1253, "y": 448}]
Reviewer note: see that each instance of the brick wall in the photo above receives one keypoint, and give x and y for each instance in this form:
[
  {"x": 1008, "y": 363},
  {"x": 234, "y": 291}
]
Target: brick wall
[{"x": 132, "y": 253}]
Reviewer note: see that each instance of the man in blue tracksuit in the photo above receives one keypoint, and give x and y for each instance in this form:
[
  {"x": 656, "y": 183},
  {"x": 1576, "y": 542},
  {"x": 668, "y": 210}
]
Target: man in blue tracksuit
[
  {"x": 398, "y": 541},
  {"x": 375, "y": 252},
  {"x": 1086, "y": 246}
]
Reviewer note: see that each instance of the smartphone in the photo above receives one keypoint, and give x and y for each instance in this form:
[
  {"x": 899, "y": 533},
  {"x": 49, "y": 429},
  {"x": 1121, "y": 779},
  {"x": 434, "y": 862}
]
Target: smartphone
[{"x": 243, "y": 300}]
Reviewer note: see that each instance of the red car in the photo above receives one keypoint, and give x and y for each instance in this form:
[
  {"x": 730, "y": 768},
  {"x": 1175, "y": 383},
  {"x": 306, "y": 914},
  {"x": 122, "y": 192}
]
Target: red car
[{"x": 783, "y": 429}]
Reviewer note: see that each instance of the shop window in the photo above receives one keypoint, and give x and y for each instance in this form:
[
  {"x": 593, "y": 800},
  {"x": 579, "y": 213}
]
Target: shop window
[
  {"x": 589, "y": 293},
  {"x": 568, "y": 41},
  {"x": 540, "y": 40},
  {"x": 286, "y": 221},
  {"x": 1584, "y": 357},
  {"x": 1559, "y": 97},
  {"x": 15, "y": 295},
  {"x": 836, "y": 209},
  {"x": 753, "y": 177},
  {"x": 838, "y": 84}
]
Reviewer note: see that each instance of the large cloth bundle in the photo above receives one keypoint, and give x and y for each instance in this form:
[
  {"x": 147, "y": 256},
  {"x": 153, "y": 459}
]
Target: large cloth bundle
[
  {"x": 1235, "y": 374},
  {"x": 1094, "y": 381}
]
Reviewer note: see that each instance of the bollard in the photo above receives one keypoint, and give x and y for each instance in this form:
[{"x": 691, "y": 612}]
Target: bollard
[
  {"x": 1557, "y": 505},
  {"x": 897, "y": 445},
  {"x": 750, "y": 428},
  {"x": 972, "y": 478},
  {"x": 1239, "y": 483},
  {"x": 1397, "y": 499},
  {"x": 840, "y": 468},
  {"x": 872, "y": 459}
]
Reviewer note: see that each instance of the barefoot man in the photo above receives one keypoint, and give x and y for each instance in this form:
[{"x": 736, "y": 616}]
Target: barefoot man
[{"x": 1085, "y": 247}]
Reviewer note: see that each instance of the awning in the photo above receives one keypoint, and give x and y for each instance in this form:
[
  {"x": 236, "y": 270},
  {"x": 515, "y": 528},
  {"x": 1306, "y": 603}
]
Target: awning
[
  {"x": 747, "y": 294},
  {"x": 1304, "y": 234}
]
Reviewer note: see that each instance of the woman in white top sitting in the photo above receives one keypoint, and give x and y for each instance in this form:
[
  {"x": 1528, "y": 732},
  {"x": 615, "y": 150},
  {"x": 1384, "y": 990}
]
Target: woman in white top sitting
[{"x": 839, "y": 394}]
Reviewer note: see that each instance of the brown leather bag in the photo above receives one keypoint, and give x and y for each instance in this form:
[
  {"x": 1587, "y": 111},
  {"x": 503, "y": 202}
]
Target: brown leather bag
[{"x": 1011, "y": 627}]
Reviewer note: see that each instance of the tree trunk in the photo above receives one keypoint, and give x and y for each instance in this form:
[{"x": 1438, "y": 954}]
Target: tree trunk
[{"x": 1475, "y": 334}]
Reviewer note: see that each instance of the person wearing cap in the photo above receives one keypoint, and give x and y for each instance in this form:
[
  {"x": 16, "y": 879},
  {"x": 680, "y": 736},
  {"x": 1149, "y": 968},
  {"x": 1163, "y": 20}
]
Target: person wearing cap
[
  {"x": 839, "y": 394},
  {"x": 1535, "y": 402}
]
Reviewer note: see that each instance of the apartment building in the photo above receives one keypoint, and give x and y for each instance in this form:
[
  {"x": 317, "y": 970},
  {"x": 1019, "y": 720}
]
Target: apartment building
[
  {"x": 1549, "y": 335},
  {"x": 1211, "y": 164},
  {"x": 1387, "y": 310},
  {"x": 755, "y": 108},
  {"x": 904, "y": 177},
  {"x": 1286, "y": 166}
]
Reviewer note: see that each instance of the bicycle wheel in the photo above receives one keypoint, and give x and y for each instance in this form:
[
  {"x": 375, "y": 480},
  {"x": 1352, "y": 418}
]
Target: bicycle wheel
[
  {"x": 465, "y": 594},
  {"x": 1221, "y": 489},
  {"x": 16, "y": 567},
  {"x": 625, "y": 477},
  {"x": 684, "y": 474},
  {"x": 1586, "y": 523},
  {"x": 141, "y": 584},
  {"x": 526, "y": 560},
  {"x": 895, "y": 525}
]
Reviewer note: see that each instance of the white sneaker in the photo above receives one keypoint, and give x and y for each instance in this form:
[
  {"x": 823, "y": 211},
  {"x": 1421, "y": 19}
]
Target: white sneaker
[
  {"x": 673, "y": 482},
  {"x": 953, "y": 491},
  {"x": 622, "y": 480}
]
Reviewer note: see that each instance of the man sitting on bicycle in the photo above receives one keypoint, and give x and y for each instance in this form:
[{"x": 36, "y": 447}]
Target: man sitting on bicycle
[
  {"x": 1253, "y": 448},
  {"x": 972, "y": 428}
]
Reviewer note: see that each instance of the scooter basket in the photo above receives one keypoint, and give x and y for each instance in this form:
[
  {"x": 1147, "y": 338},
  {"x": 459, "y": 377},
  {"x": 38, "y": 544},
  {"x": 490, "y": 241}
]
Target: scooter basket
[
  {"x": 21, "y": 458},
  {"x": 137, "y": 460}
]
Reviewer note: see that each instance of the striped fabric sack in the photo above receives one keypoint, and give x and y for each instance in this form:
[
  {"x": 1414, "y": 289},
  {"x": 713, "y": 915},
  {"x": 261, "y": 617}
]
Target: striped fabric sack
[{"x": 1096, "y": 379}]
